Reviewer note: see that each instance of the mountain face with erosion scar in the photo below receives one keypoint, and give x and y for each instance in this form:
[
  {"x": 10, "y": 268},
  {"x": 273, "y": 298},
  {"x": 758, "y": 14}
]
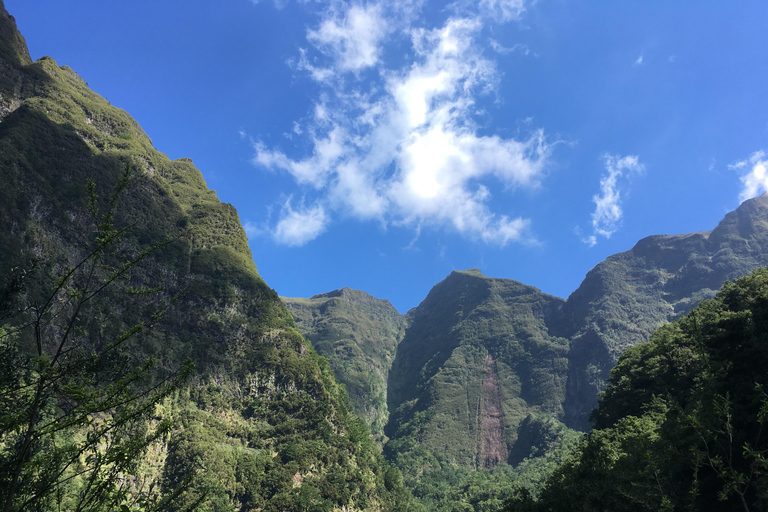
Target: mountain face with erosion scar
[
  {"x": 488, "y": 370},
  {"x": 494, "y": 448},
  {"x": 478, "y": 358}
]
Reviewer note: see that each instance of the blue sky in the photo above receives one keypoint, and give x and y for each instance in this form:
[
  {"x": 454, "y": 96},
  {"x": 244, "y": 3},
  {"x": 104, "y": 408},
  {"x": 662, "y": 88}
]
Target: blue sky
[{"x": 381, "y": 145}]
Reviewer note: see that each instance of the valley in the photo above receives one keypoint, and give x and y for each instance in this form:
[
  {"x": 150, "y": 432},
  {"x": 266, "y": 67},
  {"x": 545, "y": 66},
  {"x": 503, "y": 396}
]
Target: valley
[{"x": 482, "y": 397}]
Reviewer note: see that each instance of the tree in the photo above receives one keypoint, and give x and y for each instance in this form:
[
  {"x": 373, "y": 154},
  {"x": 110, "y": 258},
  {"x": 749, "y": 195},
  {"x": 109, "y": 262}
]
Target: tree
[
  {"x": 683, "y": 424},
  {"x": 76, "y": 410}
]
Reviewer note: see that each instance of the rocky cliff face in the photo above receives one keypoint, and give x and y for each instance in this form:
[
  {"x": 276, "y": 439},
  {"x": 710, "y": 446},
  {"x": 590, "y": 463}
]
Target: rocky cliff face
[
  {"x": 264, "y": 415},
  {"x": 630, "y": 294}
]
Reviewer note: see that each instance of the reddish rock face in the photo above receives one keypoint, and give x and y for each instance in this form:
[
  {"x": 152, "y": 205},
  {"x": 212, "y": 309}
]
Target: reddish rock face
[{"x": 493, "y": 448}]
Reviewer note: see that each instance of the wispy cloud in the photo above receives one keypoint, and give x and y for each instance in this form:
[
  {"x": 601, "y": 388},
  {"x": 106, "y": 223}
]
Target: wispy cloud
[
  {"x": 607, "y": 217},
  {"x": 755, "y": 180},
  {"x": 503, "y": 50},
  {"x": 400, "y": 146},
  {"x": 299, "y": 226},
  {"x": 639, "y": 60},
  {"x": 253, "y": 230},
  {"x": 503, "y": 10}
]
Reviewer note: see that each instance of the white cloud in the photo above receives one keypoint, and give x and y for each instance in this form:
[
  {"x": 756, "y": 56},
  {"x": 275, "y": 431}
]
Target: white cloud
[
  {"x": 252, "y": 230},
  {"x": 297, "y": 227},
  {"x": 401, "y": 146},
  {"x": 313, "y": 170},
  {"x": 279, "y": 4},
  {"x": 755, "y": 181},
  {"x": 639, "y": 60},
  {"x": 503, "y": 50},
  {"x": 503, "y": 10},
  {"x": 353, "y": 41},
  {"x": 606, "y": 219}
]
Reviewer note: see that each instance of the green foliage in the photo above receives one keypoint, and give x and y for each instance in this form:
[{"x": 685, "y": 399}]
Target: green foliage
[
  {"x": 682, "y": 425},
  {"x": 631, "y": 294},
  {"x": 446, "y": 487},
  {"x": 264, "y": 423},
  {"x": 76, "y": 417}
]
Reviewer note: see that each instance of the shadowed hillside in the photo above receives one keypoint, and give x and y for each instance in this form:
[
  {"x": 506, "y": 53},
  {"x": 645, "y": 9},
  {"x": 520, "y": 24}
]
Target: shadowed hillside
[
  {"x": 358, "y": 334},
  {"x": 263, "y": 425},
  {"x": 626, "y": 297}
]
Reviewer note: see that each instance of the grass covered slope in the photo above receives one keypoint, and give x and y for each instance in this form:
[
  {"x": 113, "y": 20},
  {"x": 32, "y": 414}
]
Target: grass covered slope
[
  {"x": 682, "y": 426},
  {"x": 263, "y": 425},
  {"x": 476, "y": 364},
  {"x": 629, "y": 295},
  {"x": 358, "y": 334}
]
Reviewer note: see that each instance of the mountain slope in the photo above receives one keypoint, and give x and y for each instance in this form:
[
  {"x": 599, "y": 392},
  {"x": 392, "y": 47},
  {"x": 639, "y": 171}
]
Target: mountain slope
[
  {"x": 626, "y": 297},
  {"x": 484, "y": 362},
  {"x": 682, "y": 426},
  {"x": 264, "y": 424},
  {"x": 477, "y": 359},
  {"x": 358, "y": 334}
]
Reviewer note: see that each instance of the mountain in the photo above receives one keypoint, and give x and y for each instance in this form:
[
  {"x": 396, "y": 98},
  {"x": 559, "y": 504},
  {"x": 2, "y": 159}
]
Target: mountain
[
  {"x": 682, "y": 425},
  {"x": 358, "y": 334},
  {"x": 263, "y": 425},
  {"x": 482, "y": 357},
  {"x": 491, "y": 371},
  {"x": 625, "y": 298},
  {"x": 477, "y": 359}
]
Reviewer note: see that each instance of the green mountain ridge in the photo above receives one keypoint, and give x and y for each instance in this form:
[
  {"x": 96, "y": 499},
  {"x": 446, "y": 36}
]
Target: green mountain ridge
[
  {"x": 623, "y": 299},
  {"x": 263, "y": 425},
  {"x": 484, "y": 361},
  {"x": 682, "y": 425}
]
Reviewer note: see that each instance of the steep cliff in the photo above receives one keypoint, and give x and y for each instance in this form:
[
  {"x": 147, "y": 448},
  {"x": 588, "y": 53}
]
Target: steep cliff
[
  {"x": 263, "y": 425},
  {"x": 626, "y": 297},
  {"x": 476, "y": 360},
  {"x": 358, "y": 334}
]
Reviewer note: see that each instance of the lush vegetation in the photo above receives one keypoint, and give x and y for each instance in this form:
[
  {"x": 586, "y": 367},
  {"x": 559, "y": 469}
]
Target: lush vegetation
[
  {"x": 75, "y": 415},
  {"x": 263, "y": 424},
  {"x": 631, "y": 294},
  {"x": 472, "y": 330},
  {"x": 445, "y": 486},
  {"x": 358, "y": 334},
  {"x": 683, "y": 424}
]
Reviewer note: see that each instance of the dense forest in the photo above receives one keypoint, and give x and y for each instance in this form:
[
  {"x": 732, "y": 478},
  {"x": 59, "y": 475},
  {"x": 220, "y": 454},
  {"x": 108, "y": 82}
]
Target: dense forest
[{"x": 682, "y": 425}]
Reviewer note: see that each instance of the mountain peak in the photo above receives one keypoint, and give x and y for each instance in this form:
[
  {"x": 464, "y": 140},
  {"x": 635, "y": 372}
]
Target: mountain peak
[
  {"x": 341, "y": 292},
  {"x": 749, "y": 220},
  {"x": 13, "y": 47}
]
